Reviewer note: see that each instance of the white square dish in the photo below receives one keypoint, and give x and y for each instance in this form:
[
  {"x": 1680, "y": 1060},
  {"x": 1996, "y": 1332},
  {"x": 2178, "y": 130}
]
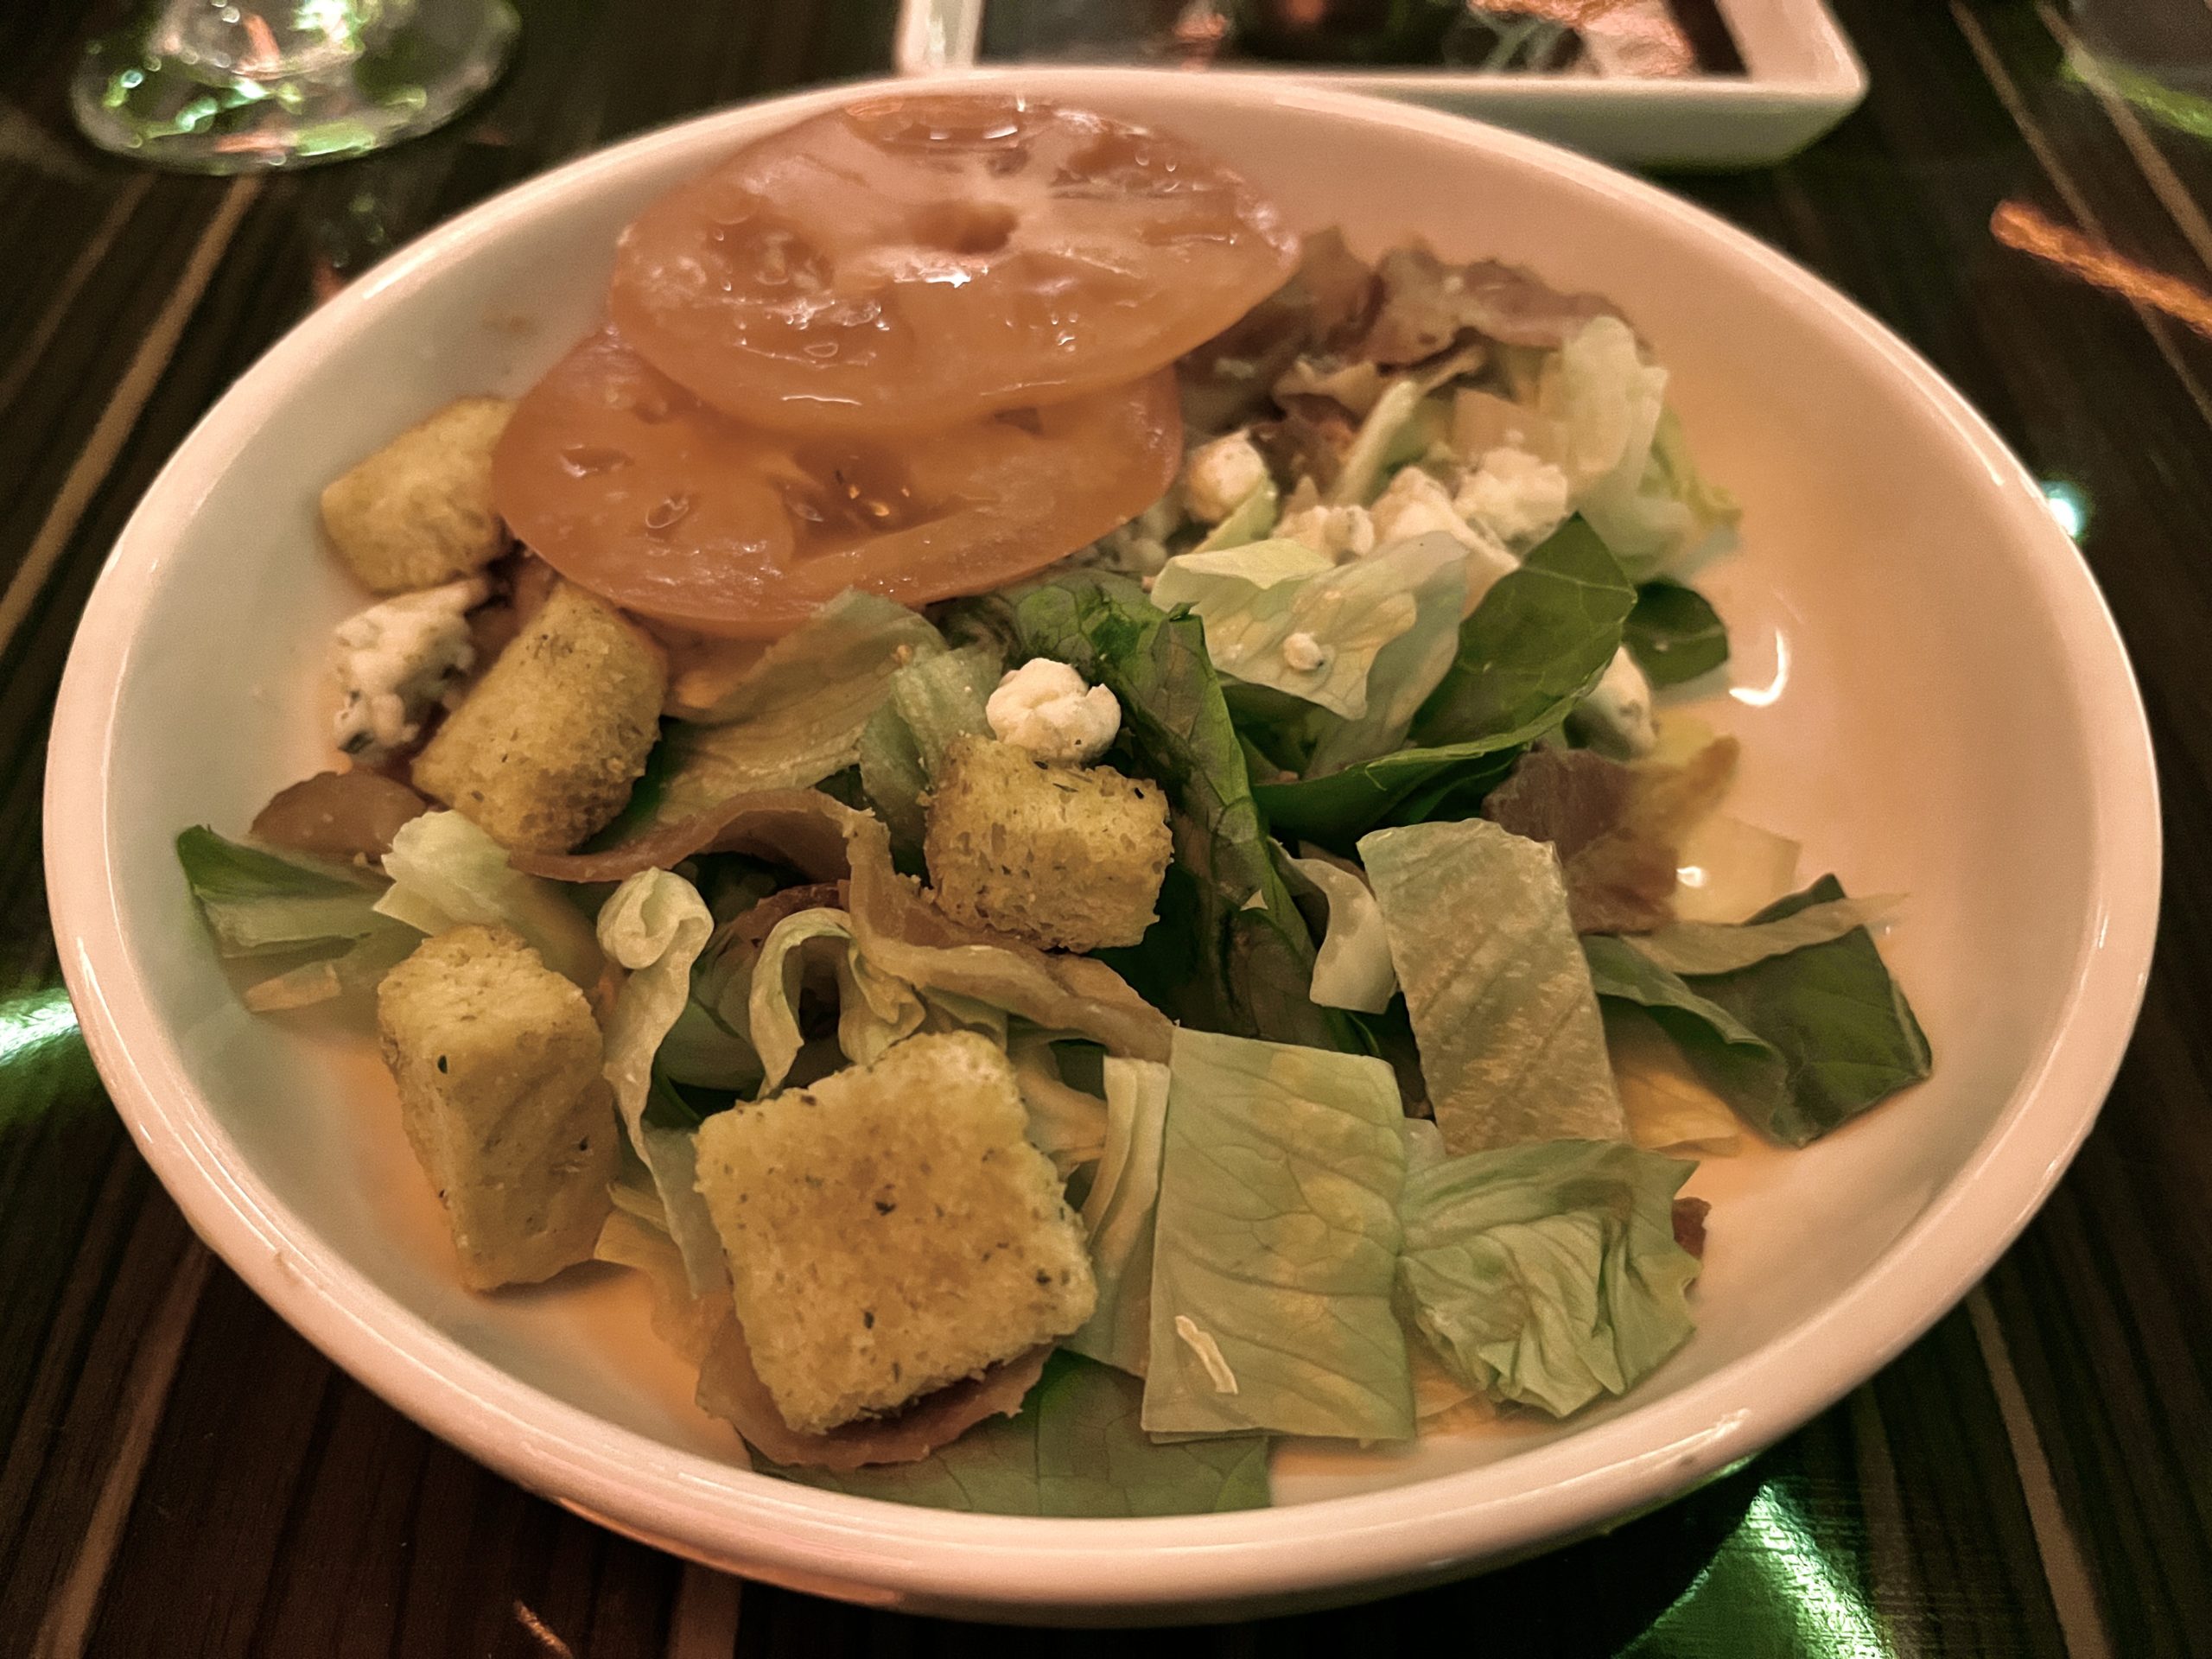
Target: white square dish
[{"x": 1801, "y": 77}]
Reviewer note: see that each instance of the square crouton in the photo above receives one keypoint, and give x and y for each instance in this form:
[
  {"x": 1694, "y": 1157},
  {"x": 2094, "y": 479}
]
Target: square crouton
[
  {"x": 418, "y": 512},
  {"x": 1069, "y": 856},
  {"x": 497, "y": 1061},
  {"x": 542, "y": 751},
  {"x": 890, "y": 1231}
]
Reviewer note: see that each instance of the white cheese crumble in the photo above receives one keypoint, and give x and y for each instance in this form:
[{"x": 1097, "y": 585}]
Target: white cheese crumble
[
  {"x": 1518, "y": 498},
  {"x": 1303, "y": 652},
  {"x": 1220, "y": 476},
  {"x": 395, "y": 660},
  {"x": 1338, "y": 533},
  {"x": 1616, "y": 717},
  {"x": 1416, "y": 505},
  {"x": 1045, "y": 707}
]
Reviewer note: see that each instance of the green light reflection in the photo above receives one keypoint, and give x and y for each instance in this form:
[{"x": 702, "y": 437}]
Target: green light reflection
[
  {"x": 2068, "y": 504},
  {"x": 28, "y": 1024},
  {"x": 1773, "y": 1588},
  {"x": 2170, "y": 106}
]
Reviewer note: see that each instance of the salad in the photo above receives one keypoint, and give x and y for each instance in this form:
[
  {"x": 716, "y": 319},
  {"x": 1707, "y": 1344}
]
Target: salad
[{"x": 1045, "y": 802}]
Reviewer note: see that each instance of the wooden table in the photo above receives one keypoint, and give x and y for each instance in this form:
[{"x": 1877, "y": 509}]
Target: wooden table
[{"x": 181, "y": 1474}]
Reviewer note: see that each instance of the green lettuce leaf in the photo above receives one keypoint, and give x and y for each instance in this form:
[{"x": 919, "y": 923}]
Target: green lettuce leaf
[
  {"x": 1407, "y": 670},
  {"x": 1693, "y": 948},
  {"x": 1118, "y": 1213},
  {"x": 710, "y": 1044},
  {"x": 1276, "y": 1240},
  {"x": 1539, "y": 642},
  {"x": 1531, "y": 650},
  {"x": 1231, "y": 951},
  {"x": 1254, "y": 599},
  {"x": 1674, "y": 633},
  {"x": 1253, "y": 518},
  {"x": 874, "y": 1008},
  {"x": 1373, "y": 447},
  {"x": 445, "y": 872},
  {"x": 1068, "y": 1124},
  {"x": 258, "y": 904},
  {"x": 655, "y": 924},
  {"x": 1075, "y": 1449},
  {"x": 797, "y": 716},
  {"x": 931, "y": 701},
  {"x": 1547, "y": 1274},
  {"x": 1511, "y": 1042},
  {"x": 1798, "y": 1044}
]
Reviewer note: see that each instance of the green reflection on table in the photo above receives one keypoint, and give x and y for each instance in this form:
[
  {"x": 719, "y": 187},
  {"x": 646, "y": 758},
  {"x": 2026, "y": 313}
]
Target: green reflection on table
[{"x": 1772, "y": 1588}]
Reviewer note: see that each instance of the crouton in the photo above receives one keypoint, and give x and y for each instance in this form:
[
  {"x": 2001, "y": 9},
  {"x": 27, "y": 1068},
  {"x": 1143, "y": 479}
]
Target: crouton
[
  {"x": 542, "y": 751},
  {"x": 498, "y": 1062},
  {"x": 1071, "y": 857},
  {"x": 890, "y": 1231},
  {"x": 418, "y": 512}
]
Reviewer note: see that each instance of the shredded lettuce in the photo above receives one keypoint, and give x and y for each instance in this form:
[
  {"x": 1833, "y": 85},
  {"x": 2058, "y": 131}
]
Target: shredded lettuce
[
  {"x": 1252, "y": 520},
  {"x": 1076, "y": 1449},
  {"x": 655, "y": 925},
  {"x": 258, "y": 904},
  {"x": 1360, "y": 474},
  {"x": 361, "y": 966},
  {"x": 1547, "y": 1274},
  {"x": 931, "y": 701},
  {"x": 1118, "y": 1212},
  {"x": 710, "y": 1044},
  {"x": 1276, "y": 1241},
  {"x": 1511, "y": 1044},
  {"x": 446, "y": 872},
  {"x": 1066, "y": 1123},
  {"x": 796, "y": 717},
  {"x": 874, "y": 1008},
  {"x": 1352, "y": 969}
]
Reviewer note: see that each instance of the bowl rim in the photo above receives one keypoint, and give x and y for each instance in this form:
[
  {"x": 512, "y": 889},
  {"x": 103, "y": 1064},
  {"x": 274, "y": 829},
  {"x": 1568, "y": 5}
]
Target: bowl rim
[{"x": 727, "y": 1516}]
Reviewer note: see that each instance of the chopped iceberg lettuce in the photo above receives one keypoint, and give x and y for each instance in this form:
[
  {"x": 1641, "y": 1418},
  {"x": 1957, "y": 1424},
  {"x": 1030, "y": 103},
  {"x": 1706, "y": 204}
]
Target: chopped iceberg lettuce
[
  {"x": 796, "y": 717},
  {"x": 1352, "y": 969},
  {"x": 1276, "y": 1242},
  {"x": 1511, "y": 1044},
  {"x": 258, "y": 904},
  {"x": 1118, "y": 1212},
  {"x": 446, "y": 872},
  {"x": 1278, "y": 614},
  {"x": 655, "y": 924},
  {"x": 1547, "y": 1274}
]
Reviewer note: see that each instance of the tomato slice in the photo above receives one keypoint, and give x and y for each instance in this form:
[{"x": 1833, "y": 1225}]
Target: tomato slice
[
  {"x": 911, "y": 261},
  {"x": 630, "y": 486}
]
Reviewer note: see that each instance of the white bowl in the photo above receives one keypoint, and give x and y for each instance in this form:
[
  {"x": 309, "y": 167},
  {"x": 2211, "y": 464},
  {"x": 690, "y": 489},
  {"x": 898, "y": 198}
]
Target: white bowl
[{"x": 1930, "y": 690}]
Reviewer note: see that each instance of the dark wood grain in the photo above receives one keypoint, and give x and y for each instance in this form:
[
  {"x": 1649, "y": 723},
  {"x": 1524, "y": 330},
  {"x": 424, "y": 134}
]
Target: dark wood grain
[{"x": 2033, "y": 1478}]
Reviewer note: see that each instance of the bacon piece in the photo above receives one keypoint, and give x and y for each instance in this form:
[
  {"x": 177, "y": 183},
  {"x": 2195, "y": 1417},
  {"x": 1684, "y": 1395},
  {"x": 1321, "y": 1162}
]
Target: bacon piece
[{"x": 731, "y": 1389}]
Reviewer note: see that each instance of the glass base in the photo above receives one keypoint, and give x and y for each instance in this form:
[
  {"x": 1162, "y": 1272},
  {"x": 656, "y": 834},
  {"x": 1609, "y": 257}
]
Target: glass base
[{"x": 232, "y": 87}]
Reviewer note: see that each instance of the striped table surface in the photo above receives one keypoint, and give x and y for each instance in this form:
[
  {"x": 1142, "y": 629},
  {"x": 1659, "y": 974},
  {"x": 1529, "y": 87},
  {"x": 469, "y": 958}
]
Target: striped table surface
[{"x": 2021, "y": 197}]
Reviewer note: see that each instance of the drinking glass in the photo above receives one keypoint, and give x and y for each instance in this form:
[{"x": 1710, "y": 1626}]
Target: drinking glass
[{"x": 235, "y": 85}]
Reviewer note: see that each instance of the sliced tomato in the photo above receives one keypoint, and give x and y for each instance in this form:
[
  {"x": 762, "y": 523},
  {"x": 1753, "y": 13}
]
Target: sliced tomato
[
  {"x": 912, "y": 261},
  {"x": 630, "y": 486}
]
